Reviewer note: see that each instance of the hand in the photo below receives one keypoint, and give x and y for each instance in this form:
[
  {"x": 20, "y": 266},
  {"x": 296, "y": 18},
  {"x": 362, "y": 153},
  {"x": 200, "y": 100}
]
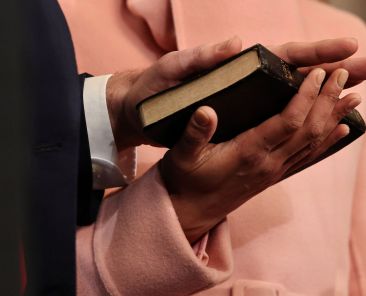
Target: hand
[
  {"x": 176, "y": 66},
  {"x": 168, "y": 71},
  {"x": 208, "y": 181},
  {"x": 328, "y": 54}
]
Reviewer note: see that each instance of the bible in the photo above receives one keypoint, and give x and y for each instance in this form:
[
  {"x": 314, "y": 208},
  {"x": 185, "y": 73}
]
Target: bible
[{"x": 244, "y": 91}]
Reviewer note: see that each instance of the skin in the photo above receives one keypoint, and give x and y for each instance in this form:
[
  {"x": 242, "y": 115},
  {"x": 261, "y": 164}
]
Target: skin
[{"x": 256, "y": 159}]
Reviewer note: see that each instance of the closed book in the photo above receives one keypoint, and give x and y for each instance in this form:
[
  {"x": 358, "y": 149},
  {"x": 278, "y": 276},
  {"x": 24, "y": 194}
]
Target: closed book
[{"x": 244, "y": 90}]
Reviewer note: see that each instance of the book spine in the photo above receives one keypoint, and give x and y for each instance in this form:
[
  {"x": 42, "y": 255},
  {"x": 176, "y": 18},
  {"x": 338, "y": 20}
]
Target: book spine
[{"x": 278, "y": 68}]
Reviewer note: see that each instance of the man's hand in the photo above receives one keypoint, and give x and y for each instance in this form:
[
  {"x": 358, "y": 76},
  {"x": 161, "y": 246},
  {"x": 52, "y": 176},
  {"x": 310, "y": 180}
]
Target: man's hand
[
  {"x": 168, "y": 71},
  {"x": 208, "y": 181},
  {"x": 176, "y": 66},
  {"x": 329, "y": 55}
]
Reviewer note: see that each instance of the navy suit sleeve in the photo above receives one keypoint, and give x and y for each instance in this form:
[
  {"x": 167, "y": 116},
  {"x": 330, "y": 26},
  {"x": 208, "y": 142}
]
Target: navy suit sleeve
[{"x": 60, "y": 194}]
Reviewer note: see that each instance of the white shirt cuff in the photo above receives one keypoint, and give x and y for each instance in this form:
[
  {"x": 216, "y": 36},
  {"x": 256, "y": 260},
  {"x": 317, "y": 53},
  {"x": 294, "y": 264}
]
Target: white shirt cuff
[{"x": 103, "y": 150}]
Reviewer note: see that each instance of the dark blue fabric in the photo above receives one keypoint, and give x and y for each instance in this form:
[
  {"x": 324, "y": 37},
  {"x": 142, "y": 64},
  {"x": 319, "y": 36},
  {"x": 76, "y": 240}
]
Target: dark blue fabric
[{"x": 60, "y": 161}]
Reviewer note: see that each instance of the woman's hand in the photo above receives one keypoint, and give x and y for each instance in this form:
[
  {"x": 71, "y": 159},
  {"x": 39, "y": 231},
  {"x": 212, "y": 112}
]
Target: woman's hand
[{"x": 208, "y": 181}]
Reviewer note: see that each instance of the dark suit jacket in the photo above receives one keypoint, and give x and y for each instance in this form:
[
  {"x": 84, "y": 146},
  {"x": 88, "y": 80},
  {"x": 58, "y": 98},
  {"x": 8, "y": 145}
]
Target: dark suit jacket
[{"x": 60, "y": 177}]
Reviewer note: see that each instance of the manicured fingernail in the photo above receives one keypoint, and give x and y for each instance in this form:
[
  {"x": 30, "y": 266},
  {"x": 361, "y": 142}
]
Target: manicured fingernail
[
  {"x": 342, "y": 78},
  {"x": 201, "y": 118},
  {"x": 320, "y": 76}
]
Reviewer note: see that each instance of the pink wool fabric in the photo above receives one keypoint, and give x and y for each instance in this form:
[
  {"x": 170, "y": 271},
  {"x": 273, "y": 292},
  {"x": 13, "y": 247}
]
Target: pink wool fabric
[{"x": 303, "y": 236}]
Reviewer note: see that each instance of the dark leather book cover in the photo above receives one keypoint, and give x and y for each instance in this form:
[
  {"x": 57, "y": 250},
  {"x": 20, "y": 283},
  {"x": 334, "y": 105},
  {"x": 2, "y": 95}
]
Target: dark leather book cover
[{"x": 253, "y": 98}]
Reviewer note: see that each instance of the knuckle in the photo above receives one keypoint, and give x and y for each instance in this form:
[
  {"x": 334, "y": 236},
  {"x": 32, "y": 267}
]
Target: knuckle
[
  {"x": 262, "y": 140},
  {"x": 197, "y": 53},
  {"x": 311, "y": 93},
  {"x": 314, "y": 132},
  {"x": 267, "y": 172},
  {"x": 192, "y": 140},
  {"x": 173, "y": 55},
  {"x": 340, "y": 110},
  {"x": 315, "y": 144},
  {"x": 193, "y": 135},
  {"x": 163, "y": 63},
  {"x": 332, "y": 96},
  {"x": 249, "y": 155},
  {"x": 251, "y": 159},
  {"x": 310, "y": 87},
  {"x": 338, "y": 115},
  {"x": 291, "y": 122},
  {"x": 190, "y": 60}
]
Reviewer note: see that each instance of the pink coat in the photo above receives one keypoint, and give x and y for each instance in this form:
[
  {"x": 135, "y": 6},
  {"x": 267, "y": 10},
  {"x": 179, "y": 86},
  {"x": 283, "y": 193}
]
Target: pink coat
[{"x": 303, "y": 236}]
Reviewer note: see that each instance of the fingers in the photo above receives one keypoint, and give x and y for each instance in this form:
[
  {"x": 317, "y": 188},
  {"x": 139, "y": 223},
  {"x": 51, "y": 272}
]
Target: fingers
[
  {"x": 278, "y": 128},
  {"x": 355, "y": 66},
  {"x": 321, "y": 113},
  {"x": 342, "y": 108},
  {"x": 309, "y": 125},
  {"x": 307, "y": 155},
  {"x": 190, "y": 151},
  {"x": 316, "y": 53},
  {"x": 197, "y": 134},
  {"x": 180, "y": 64},
  {"x": 334, "y": 131},
  {"x": 328, "y": 54},
  {"x": 175, "y": 66},
  {"x": 327, "y": 99}
]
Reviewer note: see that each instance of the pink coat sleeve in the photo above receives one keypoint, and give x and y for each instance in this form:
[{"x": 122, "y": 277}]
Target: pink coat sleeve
[
  {"x": 137, "y": 247},
  {"x": 358, "y": 233}
]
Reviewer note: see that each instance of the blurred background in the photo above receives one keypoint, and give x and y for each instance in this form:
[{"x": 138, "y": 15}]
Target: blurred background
[{"x": 356, "y": 6}]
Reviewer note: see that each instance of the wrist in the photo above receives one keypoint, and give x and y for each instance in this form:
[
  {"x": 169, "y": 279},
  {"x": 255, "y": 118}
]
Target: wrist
[
  {"x": 192, "y": 212},
  {"x": 121, "y": 109},
  {"x": 193, "y": 222}
]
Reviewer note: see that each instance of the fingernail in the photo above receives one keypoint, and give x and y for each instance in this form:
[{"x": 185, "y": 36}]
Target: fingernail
[
  {"x": 353, "y": 104},
  {"x": 320, "y": 76},
  {"x": 201, "y": 118},
  {"x": 342, "y": 78},
  {"x": 345, "y": 130}
]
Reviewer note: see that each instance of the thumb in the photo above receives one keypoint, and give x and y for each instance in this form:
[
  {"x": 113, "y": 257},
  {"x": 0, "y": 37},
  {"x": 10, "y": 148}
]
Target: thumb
[
  {"x": 176, "y": 66},
  {"x": 179, "y": 65},
  {"x": 197, "y": 134}
]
